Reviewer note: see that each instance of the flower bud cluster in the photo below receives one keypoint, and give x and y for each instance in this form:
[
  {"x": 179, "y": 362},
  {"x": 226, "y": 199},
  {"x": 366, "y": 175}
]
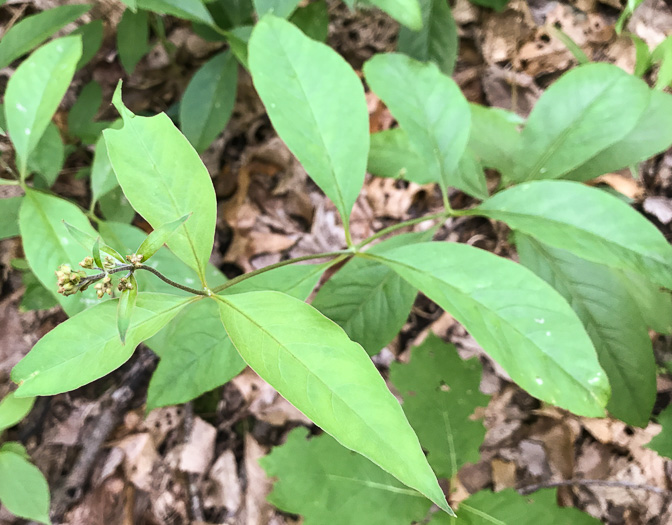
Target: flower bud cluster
[
  {"x": 69, "y": 282},
  {"x": 109, "y": 262},
  {"x": 135, "y": 259},
  {"x": 104, "y": 287},
  {"x": 124, "y": 284},
  {"x": 87, "y": 263}
]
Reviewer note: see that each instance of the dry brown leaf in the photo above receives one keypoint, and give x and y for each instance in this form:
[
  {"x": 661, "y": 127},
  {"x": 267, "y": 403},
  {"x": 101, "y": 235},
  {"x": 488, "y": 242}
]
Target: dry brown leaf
[{"x": 503, "y": 474}]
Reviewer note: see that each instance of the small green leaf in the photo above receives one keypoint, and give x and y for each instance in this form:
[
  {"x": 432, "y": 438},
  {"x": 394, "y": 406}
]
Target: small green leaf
[
  {"x": 36, "y": 296},
  {"x": 587, "y": 110},
  {"x": 586, "y": 222},
  {"x": 612, "y": 319},
  {"x": 14, "y": 409},
  {"x": 662, "y": 54},
  {"x": 652, "y": 134},
  {"x": 315, "y": 477},
  {"x": 48, "y": 244},
  {"x": 82, "y": 114},
  {"x": 132, "y": 4},
  {"x": 313, "y": 20},
  {"x": 96, "y": 253},
  {"x": 33, "y": 30},
  {"x": 494, "y": 138},
  {"x": 207, "y": 102},
  {"x": 34, "y": 92},
  {"x": 310, "y": 91},
  {"x": 507, "y": 506},
  {"x": 238, "y": 39},
  {"x": 125, "y": 308},
  {"x": 518, "y": 319},
  {"x": 103, "y": 179},
  {"x": 66, "y": 359},
  {"x": 23, "y": 489},
  {"x": 437, "y": 41},
  {"x": 9, "y": 217},
  {"x": 314, "y": 365},
  {"x": 470, "y": 177},
  {"x": 16, "y": 448},
  {"x": 160, "y": 186},
  {"x": 392, "y": 155},
  {"x": 406, "y": 12},
  {"x": 280, "y": 8},
  {"x": 159, "y": 237},
  {"x": 115, "y": 207},
  {"x": 92, "y": 243},
  {"x": 132, "y": 38},
  {"x": 430, "y": 108},
  {"x": 654, "y": 303},
  {"x": 48, "y": 156},
  {"x": 92, "y": 39},
  {"x": 662, "y": 443},
  {"x": 497, "y": 5},
  {"x": 193, "y": 10},
  {"x": 440, "y": 393}
]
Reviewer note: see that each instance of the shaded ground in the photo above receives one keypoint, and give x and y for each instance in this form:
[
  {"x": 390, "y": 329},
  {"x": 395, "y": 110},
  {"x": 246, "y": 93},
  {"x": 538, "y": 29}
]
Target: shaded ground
[{"x": 107, "y": 463}]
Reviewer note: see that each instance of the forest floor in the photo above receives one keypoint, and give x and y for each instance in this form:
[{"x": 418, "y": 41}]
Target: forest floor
[{"x": 107, "y": 462}]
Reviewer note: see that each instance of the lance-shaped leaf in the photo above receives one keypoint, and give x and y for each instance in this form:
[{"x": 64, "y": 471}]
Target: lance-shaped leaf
[
  {"x": 33, "y": 30},
  {"x": 428, "y": 105},
  {"x": 440, "y": 393},
  {"x": 88, "y": 241},
  {"x": 103, "y": 179},
  {"x": 159, "y": 237},
  {"x": 652, "y": 134},
  {"x": 163, "y": 177},
  {"x": 14, "y": 409},
  {"x": 86, "y": 347},
  {"x": 587, "y": 222},
  {"x": 314, "y": 478},
  {"x": 281, "y": 8},
  {"x": 193, "y": 10},
  {"x": 23, "y": 489},
  {"x": 316, "y": 104},
  {"x": 587, "y": 110},
  {"x": 314, "y": 365},
  {"x": 518, "y": 319},
  {"x": 48, "y": 244},
  {"x": 612, "y": 319},
  {"x": 437, "y": 41},
  {"x": 662, "y": 443},
  {"x": 392, "y": 155},
  {"x": 125, "y": 308},
  {"x": 494, "y": 137},
  {"x": 406, "y": 12},
  {"x": 34, "y": 92},
  {"x": 208, "y": 101},
  {"x": 96, "y": 254},
  {"x": 9, "y": 216},
  {"x": 132, "y": 38}
]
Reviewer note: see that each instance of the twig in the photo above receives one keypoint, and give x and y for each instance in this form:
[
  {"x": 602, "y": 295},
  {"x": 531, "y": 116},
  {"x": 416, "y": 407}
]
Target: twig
[
  {"x": 115, "y": 405},
  {"x": 528, "y": 489}
]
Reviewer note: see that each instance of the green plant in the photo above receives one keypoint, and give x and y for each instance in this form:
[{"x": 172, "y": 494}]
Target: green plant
[{"x": 546, "y": 321}]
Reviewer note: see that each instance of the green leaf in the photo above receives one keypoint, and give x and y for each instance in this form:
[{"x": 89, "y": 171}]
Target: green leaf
[
  {"x": 518, "y": 319},
  {"x": 629, "y": 8},
  {"x": 48, "y": 156},
  {"x": 663, "y": 54},
  {"x": 158, "y": 238},
  {"x": 132, "y": 38},
  {"x": 9, "y": 215},
  {"x": 652, "y": 134},
  {"x": 316, "y": 477},
  {"x": 36, "y": 296},
  {"x": 16, "y": 448},
  {"x": 316, "y": 104},
  {"x": 497, "y": 5},
  {"x": 654, "y": 303},
  {"x": 161, "y": 187},
  {"x": 369, "y": 300},
  {"x": 437, "y": 41},
  {"x": 86, "y": 347},
  {"x": 103, "y": 179},
  {"x": 662, "y": 443},
  {"x": 507, "y": 506},
  {"x": 115, "y": 207},
  {"x": 48, "y": 244},
  {"x": 297, "y": 280},
  {"x": 82, "y": 114},
  {"x": 196, "y": 356},
  {"x": 313, "y": 20},
  {"x": 132, "y": 4},
  {"x": 14, "y": 409},
  {"x": 280, "y": 8},
  {"x": 494, "y": 138},
  {"x": 92, "y": 39},
  {"x": 92, "y": 244},
  {"x": 33, "y": 30},
  {"x": 23, "y": 489},
  {"x": 125, "y": 308},
  {"x": 238, "y": 38},
  {"x": 406, "y": 12},
  {"x": 612, "y": 319},
  {"x": 440, "y": 393},
  {"x": 127, "y": 238},
  {"x": 34, "y": 92},
  {"x": 207, "y": 102},
  {"x": 193, "y": 10},
  {"x": 311, "y": 362},
  {"x": 391, "y": 155},
  {"x": 428, "y": 105},
  {"x": 470, "y": 177},
  {"x": 587, "y": 110},
  {"x": 586, "y": 222}
]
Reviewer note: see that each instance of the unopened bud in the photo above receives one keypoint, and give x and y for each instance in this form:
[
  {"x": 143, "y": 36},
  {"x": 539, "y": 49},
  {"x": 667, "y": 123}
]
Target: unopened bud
[
  {"x": 87, "y": 262},
  {"x": 134, "y": 259}
]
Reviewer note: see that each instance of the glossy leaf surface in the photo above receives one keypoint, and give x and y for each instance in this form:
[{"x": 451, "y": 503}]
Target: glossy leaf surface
[{"x": 518, "y": 319}]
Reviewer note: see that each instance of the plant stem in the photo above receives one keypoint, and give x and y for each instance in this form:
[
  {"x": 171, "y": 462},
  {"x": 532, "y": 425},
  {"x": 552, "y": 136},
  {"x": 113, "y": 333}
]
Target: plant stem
[
  {"x": 338, "y": 256},
  {"x": 172, "y": 283},
  {"x": 441, "y": 215}
]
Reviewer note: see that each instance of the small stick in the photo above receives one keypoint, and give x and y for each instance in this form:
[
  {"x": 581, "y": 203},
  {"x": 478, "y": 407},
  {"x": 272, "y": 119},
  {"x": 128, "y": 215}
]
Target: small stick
[{"x": 527, "y": 489}]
